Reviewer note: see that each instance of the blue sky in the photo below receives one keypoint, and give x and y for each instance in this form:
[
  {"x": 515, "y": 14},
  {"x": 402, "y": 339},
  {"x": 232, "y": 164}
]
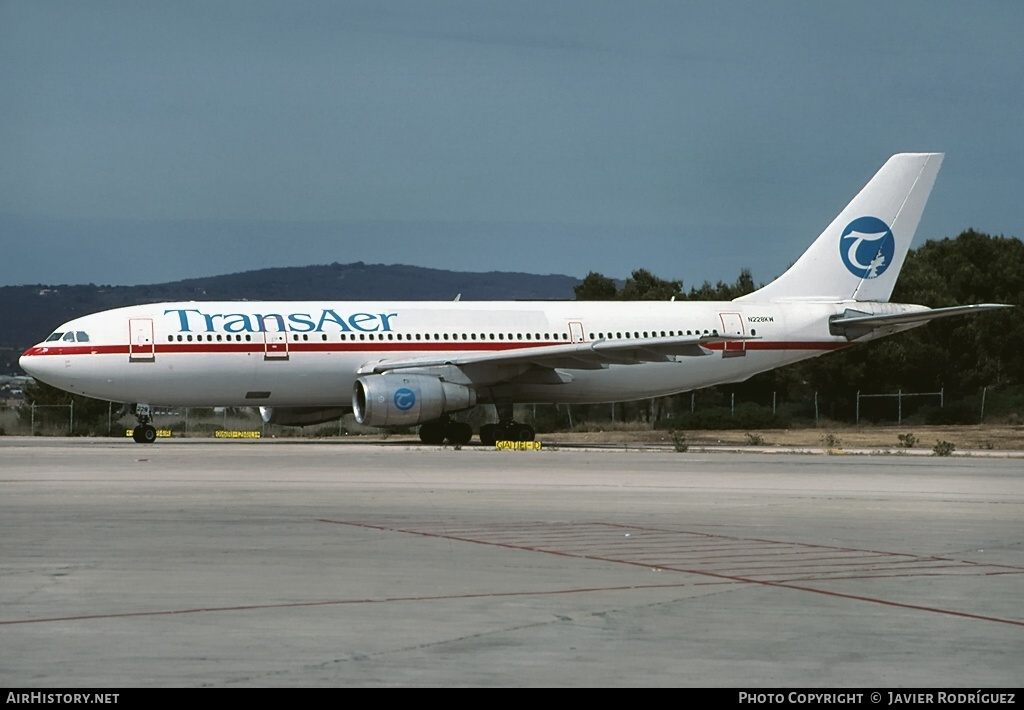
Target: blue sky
[{"x": 148, "y": 142}]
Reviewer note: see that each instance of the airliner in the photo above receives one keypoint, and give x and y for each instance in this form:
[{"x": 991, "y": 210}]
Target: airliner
[{"x": 402, "y": 364}]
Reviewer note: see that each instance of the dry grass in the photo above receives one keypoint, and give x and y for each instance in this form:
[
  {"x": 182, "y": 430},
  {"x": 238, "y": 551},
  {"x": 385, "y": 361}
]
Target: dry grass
[{"x": 1001, "y": 437}]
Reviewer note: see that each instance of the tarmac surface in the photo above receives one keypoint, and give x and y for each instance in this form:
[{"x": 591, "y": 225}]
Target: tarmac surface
[{"x": 261, "y": 563}]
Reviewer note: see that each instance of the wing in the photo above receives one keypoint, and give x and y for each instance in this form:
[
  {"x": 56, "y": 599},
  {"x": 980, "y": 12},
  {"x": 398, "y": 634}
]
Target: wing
[{"x": 580, "y": 356}]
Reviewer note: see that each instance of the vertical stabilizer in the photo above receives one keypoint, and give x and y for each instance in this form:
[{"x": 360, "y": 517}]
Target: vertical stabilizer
[{"x": 861, "y": 253}]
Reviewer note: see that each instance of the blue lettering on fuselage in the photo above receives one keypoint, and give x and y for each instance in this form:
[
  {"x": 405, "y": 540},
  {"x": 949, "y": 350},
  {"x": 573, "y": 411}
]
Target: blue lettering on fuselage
[{"x": 192, "y": 320}]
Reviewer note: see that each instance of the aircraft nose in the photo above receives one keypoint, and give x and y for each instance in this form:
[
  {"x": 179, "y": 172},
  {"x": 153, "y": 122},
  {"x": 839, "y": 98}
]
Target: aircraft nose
[
  {"x": 41, "y": 366},
  {"x": 28, "y": 360}
]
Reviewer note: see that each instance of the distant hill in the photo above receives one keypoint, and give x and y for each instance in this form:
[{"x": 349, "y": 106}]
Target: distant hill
[{"x": 29, "y": 313}]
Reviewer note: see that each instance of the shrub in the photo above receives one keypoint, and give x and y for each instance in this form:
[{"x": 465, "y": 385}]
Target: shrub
[
  {"x": 907, "y": 441},
  {"x": 679, "y": 441},
  {"x": 831, "y": 443},
  {"x": 944, "y": 448}
]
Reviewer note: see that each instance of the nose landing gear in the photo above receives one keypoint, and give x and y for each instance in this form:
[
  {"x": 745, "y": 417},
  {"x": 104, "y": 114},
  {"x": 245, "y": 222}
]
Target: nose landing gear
[{"x": 145, "y": 432}]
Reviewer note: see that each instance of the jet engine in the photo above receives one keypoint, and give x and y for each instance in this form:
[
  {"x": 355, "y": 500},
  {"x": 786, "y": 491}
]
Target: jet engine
[
  {"x": 302, "y": 416},
  {"x": 405, "y": 400}
]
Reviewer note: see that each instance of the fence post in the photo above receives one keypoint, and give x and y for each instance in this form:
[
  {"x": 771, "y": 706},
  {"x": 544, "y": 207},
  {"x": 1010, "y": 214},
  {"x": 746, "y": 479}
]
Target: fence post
[
  {"x": 815, "y": 408},
  {"x": 857, "y": 418},
  {"x": 981, "y": 420},
  {"x": 732, "y": 405},
  {"x": 33, "y": 419},
  {"x": 71, "y": 418},
  {"x": 899, "y": 405}
]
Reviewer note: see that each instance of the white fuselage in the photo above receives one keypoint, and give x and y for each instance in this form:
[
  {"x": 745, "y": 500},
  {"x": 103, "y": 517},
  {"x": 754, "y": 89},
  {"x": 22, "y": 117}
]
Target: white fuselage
[{"x": 304, "y": 354}]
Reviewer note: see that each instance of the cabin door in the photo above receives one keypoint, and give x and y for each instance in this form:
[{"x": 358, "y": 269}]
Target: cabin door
[
  {"x": 732, "y": 324},
  {"x": 140, "y": 340},
  {"x": 576, "y": 332},
  {"x": 275, "y": 339}
]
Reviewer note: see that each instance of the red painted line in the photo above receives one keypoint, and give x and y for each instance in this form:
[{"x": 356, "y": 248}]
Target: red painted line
[
  {"x": 802, "y": 544},
  {"x": 341, "y": 602},
  {"x": 703, "y": 573}
]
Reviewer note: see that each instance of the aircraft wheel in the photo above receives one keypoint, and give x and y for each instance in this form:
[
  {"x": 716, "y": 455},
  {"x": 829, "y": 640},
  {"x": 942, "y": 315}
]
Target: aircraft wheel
[
  {"x": 432, "y": 433},
  {"x": 144, "y": 434},
  {"x": 522, "y": 432},
  {"x": 458, "y": 433},
  {"x": 488, "y": 434}
]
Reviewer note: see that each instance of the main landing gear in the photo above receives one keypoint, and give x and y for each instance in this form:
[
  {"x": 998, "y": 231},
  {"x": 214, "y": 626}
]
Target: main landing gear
[
  {"x": 145, "y": 432},
  {"x": 456, "y": 433},
  {"x": 507, "y": 429},
  {"x": 444, "y": 429}
]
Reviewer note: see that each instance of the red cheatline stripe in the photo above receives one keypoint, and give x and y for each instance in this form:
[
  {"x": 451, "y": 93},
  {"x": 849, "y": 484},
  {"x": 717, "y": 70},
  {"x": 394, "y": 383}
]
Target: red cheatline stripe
[{"x": 375, "y": 346}]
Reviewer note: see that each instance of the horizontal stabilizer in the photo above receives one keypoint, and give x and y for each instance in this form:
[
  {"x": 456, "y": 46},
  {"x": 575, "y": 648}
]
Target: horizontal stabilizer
[{"x": 854, "y": 324}]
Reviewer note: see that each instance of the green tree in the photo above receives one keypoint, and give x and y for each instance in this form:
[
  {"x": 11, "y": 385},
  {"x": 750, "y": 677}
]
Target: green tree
[
  {"x": 595, "y": 287},
  {"x": 722, "y": 291},
  {"x": 642, "y": 285}
]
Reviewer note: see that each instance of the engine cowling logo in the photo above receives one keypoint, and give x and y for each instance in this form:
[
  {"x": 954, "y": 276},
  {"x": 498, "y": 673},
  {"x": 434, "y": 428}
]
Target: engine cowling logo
[{"x": 404, "y": 399}]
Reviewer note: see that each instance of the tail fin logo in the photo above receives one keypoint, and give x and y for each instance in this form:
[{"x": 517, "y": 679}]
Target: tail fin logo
[{"x": 867, "y": 247}]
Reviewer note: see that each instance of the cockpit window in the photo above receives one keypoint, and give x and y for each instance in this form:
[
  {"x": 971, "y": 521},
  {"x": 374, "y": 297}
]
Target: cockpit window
[{"x": 70, "y": 337}]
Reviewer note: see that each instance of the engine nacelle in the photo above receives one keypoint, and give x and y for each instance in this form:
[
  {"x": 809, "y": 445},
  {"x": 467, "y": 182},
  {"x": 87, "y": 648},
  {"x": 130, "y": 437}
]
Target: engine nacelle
[
  {"x": 302, "y": 416},
  {"x": 405, "y": 400}
]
